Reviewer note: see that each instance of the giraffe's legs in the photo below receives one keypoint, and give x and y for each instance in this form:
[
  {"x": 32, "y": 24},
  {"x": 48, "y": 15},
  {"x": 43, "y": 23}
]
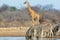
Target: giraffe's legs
[
  {"x": 33, "y": 21},
  {"x": 37, "y": 20}
]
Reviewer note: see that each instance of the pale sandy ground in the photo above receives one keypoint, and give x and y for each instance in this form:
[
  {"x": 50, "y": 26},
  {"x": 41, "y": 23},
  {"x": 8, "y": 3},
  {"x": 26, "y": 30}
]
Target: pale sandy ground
[
  {"x": 13, "y": 31},
  {"x": 23, "y": 31}
]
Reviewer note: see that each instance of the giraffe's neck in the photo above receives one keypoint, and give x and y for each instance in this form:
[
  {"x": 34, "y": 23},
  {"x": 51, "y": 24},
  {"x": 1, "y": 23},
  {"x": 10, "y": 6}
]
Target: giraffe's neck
[{"x": 29, "y": 8}]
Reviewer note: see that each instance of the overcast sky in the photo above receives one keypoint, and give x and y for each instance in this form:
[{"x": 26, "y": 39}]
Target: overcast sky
[{"x": 19, "y": 3}]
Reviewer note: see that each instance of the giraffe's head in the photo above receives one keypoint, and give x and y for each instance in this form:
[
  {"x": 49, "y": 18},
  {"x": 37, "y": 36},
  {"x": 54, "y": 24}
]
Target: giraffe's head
[{"x": 25, "y": 2}]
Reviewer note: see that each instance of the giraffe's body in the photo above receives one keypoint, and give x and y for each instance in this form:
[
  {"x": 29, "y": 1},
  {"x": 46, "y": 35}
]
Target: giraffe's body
[{"x": 33, "y": 14}]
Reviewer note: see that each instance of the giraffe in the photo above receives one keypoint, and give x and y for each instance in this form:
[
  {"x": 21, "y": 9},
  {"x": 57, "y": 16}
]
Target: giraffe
[{"x": 32, "y": 13}]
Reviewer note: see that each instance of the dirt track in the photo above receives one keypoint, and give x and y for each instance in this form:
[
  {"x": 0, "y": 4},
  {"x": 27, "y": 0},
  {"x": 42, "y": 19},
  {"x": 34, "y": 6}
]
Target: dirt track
[{"x": 13, "y": 31}]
